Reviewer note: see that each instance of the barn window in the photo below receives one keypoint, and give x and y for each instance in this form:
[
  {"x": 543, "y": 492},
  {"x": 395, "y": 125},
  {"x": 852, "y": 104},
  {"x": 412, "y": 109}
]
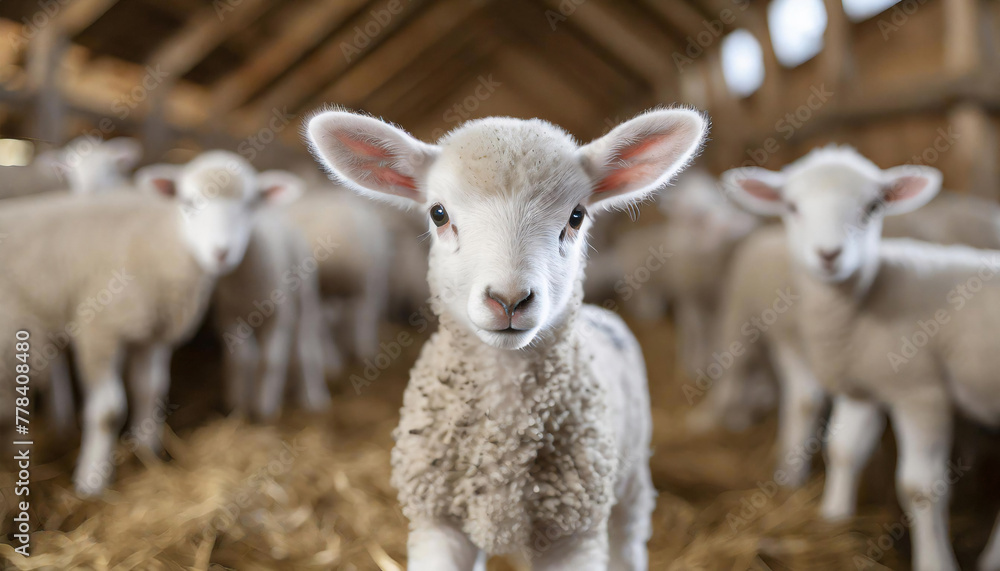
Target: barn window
[
  {"x": 797, "y": 28},
  {"x": 858, "y": 10},
  {"x": 742, "y": 63}
]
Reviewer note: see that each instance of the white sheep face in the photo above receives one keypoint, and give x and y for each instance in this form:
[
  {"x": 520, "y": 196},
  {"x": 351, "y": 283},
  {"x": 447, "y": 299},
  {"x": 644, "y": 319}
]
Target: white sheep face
[
  {"x": 508, "y": 202},
  {"x": 92, "y": 166},
  {"x": 832, "y": 203},
  {"x": 219, "y": 194}
]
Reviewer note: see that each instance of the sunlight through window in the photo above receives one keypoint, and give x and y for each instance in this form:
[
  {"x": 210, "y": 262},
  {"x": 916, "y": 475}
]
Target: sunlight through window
[
  {"x": 742, "y": 63},
  {"x": 858, "y": 10},
  {"x": 797, "y": 28}
]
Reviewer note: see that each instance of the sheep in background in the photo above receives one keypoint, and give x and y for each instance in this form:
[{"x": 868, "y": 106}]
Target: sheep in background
[
  {"x": 759, "y": 312},
  {"x": 267, "y": 309},
  {"x": 863, "y": 299},
  {"x": 526, "y": 413},
  {"x": 86, "y": 165},
  {"x": 123, "y": 271},
  {"x": 354, "y": 266}
]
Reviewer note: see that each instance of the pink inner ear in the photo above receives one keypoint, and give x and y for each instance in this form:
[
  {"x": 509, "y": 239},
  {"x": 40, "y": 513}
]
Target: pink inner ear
[
  {"x": 165, "y": 186},
  {"x": 629, "y": 166},
  {"x": 905, "y": 187},
  {"x": 272, "y": 191},
  {"x": 377, "y": 161},
  {"x": 760, "y": 190}
]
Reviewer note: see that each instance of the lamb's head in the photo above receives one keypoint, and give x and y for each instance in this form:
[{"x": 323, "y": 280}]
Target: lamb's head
[
  {"x": 832, "y": 202},
  {"x": 508, "y": 202},
  {"x": 219, "y": 195},
  {"x": 90, "y": 165}
]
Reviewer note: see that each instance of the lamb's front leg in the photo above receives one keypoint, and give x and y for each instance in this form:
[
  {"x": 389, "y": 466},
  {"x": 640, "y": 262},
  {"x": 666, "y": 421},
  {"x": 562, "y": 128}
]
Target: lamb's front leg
[
  {"x": 801, "y": 403},
  {"x": 439, "y": 546},
  {"x": 584, "y": 552},
  {"x": 923, "y": 430},
  {"x": 149, "y": 380},
  {"x": 630, "y": 528},
  {"x": 855, "y": 429}
]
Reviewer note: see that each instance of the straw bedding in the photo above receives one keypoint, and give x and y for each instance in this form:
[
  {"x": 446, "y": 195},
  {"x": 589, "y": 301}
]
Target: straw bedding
[{"x": 314, "y": 493}]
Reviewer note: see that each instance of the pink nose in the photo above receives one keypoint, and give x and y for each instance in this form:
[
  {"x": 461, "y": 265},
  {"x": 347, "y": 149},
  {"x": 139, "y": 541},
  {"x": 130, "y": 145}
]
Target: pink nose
[
  {"x": 830, "y": 256},
  {"x": 221, "y": 254},
  {"x": 504, "y": 305}
]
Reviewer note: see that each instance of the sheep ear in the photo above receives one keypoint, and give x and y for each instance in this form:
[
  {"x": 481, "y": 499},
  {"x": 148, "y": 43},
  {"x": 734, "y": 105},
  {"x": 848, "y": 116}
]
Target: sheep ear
[
  {"x": 641, "y": 155},
  {"x": 158, "y": 179},
  {"x": 372, "y": 157},
  {"x": 756, "y": 189},
  {"x": 126, "y": 152},
  {"x": 908, "y": 187},
  {"x": 280, "y": 187}
]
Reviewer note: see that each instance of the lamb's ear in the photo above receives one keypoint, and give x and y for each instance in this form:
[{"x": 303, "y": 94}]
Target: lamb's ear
[
  {"x": 161, "y": 179},
  {"x": 280, "y": 187},
  {"x": 756, "y": 189},
  {"x": 908, "y": 187},
  {"x": 126, "y": 152},
  {"x": 372, "y": 157},
  {"x": 641, "y": 155}
]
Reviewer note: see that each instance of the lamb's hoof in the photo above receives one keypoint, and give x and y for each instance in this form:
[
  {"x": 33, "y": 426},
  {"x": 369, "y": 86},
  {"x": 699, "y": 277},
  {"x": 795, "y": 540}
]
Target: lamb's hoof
[{"x": 89, "y": 484}]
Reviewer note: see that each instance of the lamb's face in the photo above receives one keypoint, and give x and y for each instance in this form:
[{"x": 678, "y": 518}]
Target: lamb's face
[
  {"x": 219, "y": 195},
  {"x": 508, "y": 202},
  {"x": 833, "y": 219},
  {"x": 506, "y": 209},
  {"x": 832, "y": 204}
]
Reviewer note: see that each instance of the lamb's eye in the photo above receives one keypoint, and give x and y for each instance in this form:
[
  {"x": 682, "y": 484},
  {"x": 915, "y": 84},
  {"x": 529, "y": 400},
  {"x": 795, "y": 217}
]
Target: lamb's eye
[
  {"x": 576, "y": 218},
  {"x": 873, "y": 208},
  {"x": 439, "y": 215},
  {"x": 793, "y": 208}
]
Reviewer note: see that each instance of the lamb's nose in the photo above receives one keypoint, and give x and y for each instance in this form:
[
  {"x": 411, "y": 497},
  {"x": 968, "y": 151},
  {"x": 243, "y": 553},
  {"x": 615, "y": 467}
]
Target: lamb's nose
[
  {"x": 830, "y": 256},
  {"x": 221, "y": 254},
  {"x": 511, "y": 302}
]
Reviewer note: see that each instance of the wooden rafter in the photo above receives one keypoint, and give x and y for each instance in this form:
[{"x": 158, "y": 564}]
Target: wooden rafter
[
  {"x": 305, "y": 30},
  {"x": 399, "y": 51},
  {"x": 203, "y": 33},
  {"x": 679, "y": 14},
  {"x": 333, "y": 58}
]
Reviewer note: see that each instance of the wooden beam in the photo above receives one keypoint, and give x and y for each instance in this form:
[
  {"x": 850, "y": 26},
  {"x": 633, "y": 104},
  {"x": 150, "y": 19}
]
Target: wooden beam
[
  {"x": 607, "y": 28},
  {"x": 681, "y": 16},
  {"x": 399, "y": 51},
  {"x": 305, "y": 30},
  {"x": 457, "y": 49},
  {"x": 81, "y": 14},
  {"x": 338, "y": 54},
  {"x": 962, "y": 41},
  {"x": 837, "y": 57},
  {"x": 203, "y": 33}
]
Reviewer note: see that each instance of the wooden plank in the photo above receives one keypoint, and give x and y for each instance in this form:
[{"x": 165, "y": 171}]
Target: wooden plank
[
  {"x": 680, "y": 14},
  {"x": 305, "y": 30},
  {"x": 338, "y": 54},
  {"x": 203, "y": 33},
  {"x": 399, "y": 51},
  {"x": 608, "y": 29},
  {"x": 962, "y": 40}
]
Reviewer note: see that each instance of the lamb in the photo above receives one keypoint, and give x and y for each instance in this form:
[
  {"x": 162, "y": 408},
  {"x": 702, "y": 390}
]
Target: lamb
[
  {"x": 123, "y": 270},
  {"x": 864, "y": 299},
  {"x": 525, "y": 427},
  {"x": 759, "y": 312},
  {"x": 85, "y": 166},
  {"x": 353, "y": 268},
  {"x": 267, "y": 309}
]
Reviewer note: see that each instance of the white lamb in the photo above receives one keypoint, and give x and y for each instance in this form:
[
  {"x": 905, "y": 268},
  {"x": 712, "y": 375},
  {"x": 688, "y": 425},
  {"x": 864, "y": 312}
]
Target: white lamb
[
  {"x": 267, "y": 309},
  {"x": 891, "y": 323},
  {"x": 122, "y": 271},
  {"x": 86, "y": 165},
  {"x": 759, "y": 312},
  {"x": 525, "y": 426}
]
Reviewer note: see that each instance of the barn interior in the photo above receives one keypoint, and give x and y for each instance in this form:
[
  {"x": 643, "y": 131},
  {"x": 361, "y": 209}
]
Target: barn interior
[{"x": 903, "y": 82}]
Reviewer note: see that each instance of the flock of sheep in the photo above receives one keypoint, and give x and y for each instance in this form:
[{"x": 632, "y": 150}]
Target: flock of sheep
[{"x": 525, "y": 426}]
